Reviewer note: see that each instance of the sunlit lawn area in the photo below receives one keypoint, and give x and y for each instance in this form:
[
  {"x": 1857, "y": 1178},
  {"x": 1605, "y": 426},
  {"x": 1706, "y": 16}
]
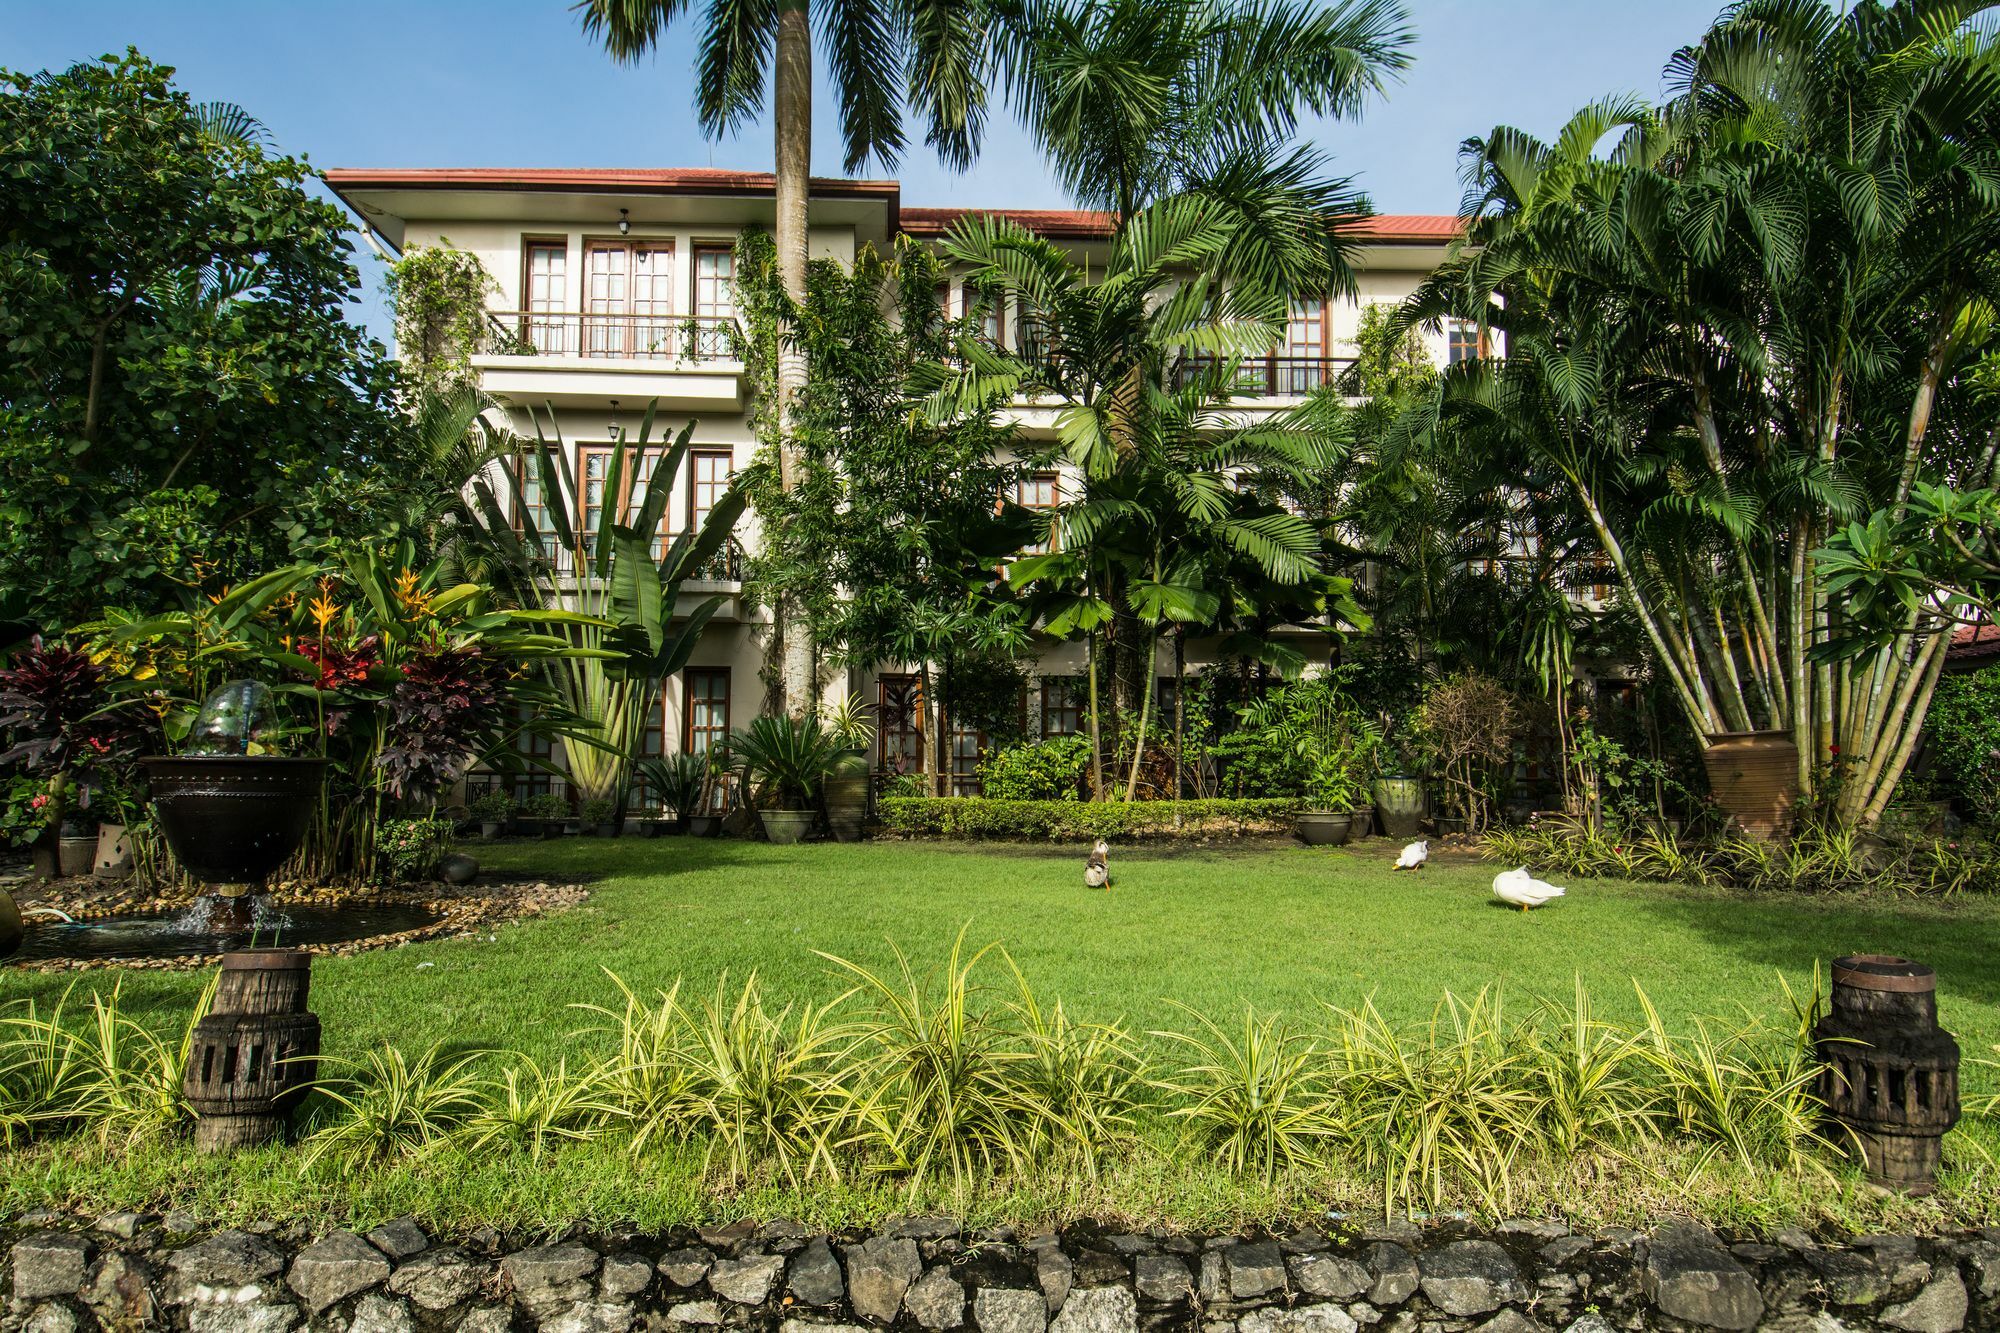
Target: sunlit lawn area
[{"x": 1277, "y": 926}]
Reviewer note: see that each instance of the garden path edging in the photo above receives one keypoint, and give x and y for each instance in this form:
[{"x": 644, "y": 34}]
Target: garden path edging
[{"x": 130, "y": 1270}]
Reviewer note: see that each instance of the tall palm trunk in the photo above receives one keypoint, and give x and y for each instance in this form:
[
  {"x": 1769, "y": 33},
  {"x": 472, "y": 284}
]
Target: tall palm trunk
[{"x": 792, "y": 118}]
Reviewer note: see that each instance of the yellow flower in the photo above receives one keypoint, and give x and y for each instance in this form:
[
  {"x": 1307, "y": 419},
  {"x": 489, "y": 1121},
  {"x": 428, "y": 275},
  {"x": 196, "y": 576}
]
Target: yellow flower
[
  {"x": 416, "y": 602},
  {"x": 323, "y": 610}
]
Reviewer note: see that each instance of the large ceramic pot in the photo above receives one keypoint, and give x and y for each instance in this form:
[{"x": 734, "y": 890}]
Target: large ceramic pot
[
  {"x": 114, "y": 852},
  {"x": 233, "y": 819},
  {"x": 785, "y": 827},
  {"x": 1755, "y": 778},
  {"x": 1399, "y": 805},
  {"x": 1325, "y": 828},
  {"x": 10, "y": 924},
  {"x": 704, "y": 826},
  {"x": 847, "y": 806}
]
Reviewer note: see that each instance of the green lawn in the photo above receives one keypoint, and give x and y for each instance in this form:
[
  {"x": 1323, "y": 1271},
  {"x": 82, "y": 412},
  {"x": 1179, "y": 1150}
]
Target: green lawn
[{"x": 1278, "y": 926}]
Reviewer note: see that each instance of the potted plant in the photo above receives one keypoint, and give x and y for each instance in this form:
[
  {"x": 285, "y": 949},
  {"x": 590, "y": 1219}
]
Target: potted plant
[
  {"x": 847, "y": 790},
  {"x": 679, "y": 781},
  {"x": 1331, "y": 791},
  {"x": 787, "y": 761},
  {"x": 1397, "y": 791},
  {"x": 704, "y": 819},
  {"x": 594, "y": 815},
  {"x": 492, "y": 809},
  {"x": 544, "y": 813}
]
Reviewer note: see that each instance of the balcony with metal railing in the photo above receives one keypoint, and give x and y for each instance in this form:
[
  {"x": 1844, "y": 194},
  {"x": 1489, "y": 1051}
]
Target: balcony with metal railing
[
  {"x": 572, "y": 358},
  {"x": 615, "y": 336},
  {"x": 568, "y": 563},
  {"x": 1277, "y": 375}
]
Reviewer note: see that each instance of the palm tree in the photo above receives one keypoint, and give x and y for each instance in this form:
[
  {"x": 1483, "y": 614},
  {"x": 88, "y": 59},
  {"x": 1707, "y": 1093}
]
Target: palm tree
[
  {"x": 1143, "y": 357},
  {"x": 881, "y": 51},
  {"x": 1752, "y": 322},
  {"x": 1136, "y": 101}
]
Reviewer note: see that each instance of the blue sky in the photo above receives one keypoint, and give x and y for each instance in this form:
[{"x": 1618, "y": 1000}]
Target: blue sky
[{"x": 514, "y": 83}]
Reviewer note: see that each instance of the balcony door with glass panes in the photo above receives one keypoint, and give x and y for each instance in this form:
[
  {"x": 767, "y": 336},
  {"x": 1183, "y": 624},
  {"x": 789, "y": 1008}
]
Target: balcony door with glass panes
[
  {"x": 628, "y": 298},
  {"x": 714, "y": 301},
  {"x": 545, "y": 297},
  {"x": 1304, "y": 366}
]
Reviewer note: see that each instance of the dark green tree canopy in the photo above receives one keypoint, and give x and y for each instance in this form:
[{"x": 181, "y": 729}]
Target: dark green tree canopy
[{"x": 181, "y": 387}]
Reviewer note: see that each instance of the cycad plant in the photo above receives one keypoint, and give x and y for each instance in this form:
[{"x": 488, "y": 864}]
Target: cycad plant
[{"x": 790, "y": 760}]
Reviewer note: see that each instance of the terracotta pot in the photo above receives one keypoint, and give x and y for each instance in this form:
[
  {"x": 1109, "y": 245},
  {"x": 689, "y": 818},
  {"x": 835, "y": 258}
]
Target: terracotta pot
[
  {"x": 785, "y": 827},
  {"x": 1399, "y": 803},
  {"x": 114, "y": 852},
  {"x": 1325, "y": 828},
  {"x": 1755, "y": 778}
]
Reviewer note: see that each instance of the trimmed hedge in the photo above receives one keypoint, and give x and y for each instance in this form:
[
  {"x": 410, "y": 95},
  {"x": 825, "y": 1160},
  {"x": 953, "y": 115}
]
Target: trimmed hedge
[{"x": 975, "y": 817}]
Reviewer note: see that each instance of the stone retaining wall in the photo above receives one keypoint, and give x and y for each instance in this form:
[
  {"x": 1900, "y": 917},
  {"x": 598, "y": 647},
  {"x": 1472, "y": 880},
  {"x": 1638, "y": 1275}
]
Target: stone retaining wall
[{"x": 130, "y": 1271}]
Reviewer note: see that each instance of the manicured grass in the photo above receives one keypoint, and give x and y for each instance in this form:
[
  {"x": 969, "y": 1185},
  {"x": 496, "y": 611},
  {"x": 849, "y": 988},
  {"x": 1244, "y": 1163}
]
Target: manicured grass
[{"x": 1277, "y": 926}]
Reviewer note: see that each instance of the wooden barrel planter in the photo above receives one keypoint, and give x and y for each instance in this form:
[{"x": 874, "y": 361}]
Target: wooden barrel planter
[
  {"x": 255, "y": 1052},
  {"x": 1755, "y": 778},
  {"x": 1889, "y": 1074}
]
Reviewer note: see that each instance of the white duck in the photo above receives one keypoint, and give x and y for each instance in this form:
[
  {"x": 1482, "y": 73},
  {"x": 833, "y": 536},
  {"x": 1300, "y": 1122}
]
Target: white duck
[
  {"x": 1414, "y": 855},
  {"x": 1523, "y": 890}
]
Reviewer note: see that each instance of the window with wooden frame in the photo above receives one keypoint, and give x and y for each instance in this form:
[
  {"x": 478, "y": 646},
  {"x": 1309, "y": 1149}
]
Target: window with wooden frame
[
  {"x": 1062, "y": 706},
  {"x": 705, "y": 709},
  {"x": 1464, "y": 341},
  {"x": 593, "y": 479},
  {"x": 545, "y": 294},
  {"x": 628, "y": 298},
  {"x": 991, "y": 306},
  {"x": 709, "y": 471},
  {"x": 968, "y": 747},
  {"x": 535, "y": 780},
  {"x": 899, "y": 733},
  {"x": 1304, "y": 367},
  {"x": 531, "y": 510},
  {"x": 1039, "y": 490},
  {"x": 714, "y": 300},
  {"x": 652, "y": 744}
]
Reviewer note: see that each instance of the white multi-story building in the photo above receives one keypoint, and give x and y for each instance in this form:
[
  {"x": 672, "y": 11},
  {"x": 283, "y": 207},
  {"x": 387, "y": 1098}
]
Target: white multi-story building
[{"x": 614, "y": 289}]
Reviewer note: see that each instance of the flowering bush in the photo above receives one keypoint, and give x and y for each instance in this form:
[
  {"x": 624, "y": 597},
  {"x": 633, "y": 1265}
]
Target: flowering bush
[{"x": 412, "y": 848}]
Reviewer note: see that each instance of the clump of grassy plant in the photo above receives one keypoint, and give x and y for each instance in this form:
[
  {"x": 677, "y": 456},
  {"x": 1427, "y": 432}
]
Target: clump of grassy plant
[
  {"x": 937, "y": 1073},
  {"x": 766, "y": 1087},
  {"x": 112, "y": 1074},
  {"x": 1260, "y": 1102},
  {"x": 396, "y": 1107},
  {"x": 532, "y": 1109}
]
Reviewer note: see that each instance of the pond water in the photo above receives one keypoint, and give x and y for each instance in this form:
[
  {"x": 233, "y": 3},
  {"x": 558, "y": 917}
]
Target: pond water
[{"x": 179, "y": 934}]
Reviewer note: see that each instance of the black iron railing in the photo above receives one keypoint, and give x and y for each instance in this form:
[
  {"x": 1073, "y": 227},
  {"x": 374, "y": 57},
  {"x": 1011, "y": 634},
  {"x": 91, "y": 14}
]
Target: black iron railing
[{"x": 615, "y": 336}]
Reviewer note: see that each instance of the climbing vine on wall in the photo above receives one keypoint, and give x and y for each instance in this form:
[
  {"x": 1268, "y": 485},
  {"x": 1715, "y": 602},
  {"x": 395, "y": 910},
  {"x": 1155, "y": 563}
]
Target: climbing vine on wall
[{"x": 440, "y": 294}]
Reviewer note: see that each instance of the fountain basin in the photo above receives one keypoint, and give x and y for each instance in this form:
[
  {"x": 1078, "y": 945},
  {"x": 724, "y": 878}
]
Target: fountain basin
[
  {"x": 233, "y": 819},
  {"x": 198, "y": 932}
]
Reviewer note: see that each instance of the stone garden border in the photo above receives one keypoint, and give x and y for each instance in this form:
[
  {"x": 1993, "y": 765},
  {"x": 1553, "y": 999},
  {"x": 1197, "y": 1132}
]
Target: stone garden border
[{"x": 130, "y": 1270}]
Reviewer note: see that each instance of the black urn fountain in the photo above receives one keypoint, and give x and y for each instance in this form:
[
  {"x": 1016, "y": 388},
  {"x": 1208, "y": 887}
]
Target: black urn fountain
[{"x": 232, "y": 816}]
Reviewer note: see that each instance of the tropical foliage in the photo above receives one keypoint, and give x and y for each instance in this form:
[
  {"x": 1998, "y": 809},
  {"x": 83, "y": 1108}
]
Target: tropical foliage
[
  {"x": 1761, "y": 319},
  {"x": 182, "y": 396}
]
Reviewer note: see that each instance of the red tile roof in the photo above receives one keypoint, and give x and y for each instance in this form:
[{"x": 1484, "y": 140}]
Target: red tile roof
[
  {"x": 1064, "y": 223},
  {"x": 1385, "y": 229},
  {"x": 1972, "y": 642},
  {"x": 634, "y": 180}
]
